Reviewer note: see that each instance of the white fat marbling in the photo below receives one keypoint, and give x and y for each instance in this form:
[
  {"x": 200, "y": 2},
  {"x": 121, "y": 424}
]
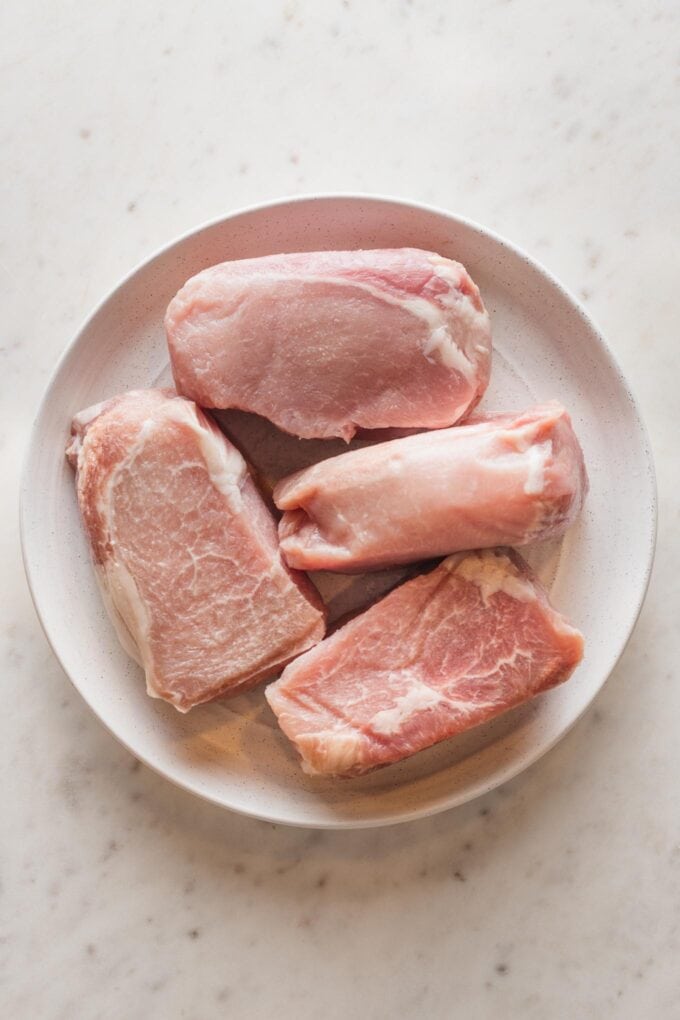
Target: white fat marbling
[
  {"x": 226, "y": 466},
  {"x": 124, "y": 125},
  {"x": 489, "y": 571},
  {"x": 417, "y": 698},
  {"x": 538, "y": 457}
]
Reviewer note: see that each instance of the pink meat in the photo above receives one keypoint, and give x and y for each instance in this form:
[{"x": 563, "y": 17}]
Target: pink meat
[
  {"x": 324, "y": 343},
  {"x": 437, "y": 656},
  {"x": 505, "y": 480},
  {"x": 185, "y": 550}
]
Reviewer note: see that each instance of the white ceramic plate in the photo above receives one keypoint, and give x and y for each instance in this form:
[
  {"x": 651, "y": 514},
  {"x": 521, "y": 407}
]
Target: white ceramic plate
[{"x": 232, "y": 753}]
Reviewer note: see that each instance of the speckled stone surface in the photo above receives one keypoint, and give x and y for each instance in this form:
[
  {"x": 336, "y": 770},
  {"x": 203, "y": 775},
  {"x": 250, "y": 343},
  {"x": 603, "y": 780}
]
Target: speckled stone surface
[{"x": 124, "y": 125}]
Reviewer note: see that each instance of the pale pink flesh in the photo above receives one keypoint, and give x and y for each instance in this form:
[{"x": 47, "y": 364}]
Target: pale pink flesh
[
  {"x": 185, "y": 549},
  {"x": 505, "y": 480},
  {"x": 442, "y": 653},
  {"x": 325, "y": 343}
]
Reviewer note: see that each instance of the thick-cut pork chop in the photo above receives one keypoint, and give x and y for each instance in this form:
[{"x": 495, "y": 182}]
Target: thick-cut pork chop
[
  {"x": 324, "y": 343},
  {"x": 442, "y": 653},
  {"x": 185, "y": 550},
  {"x": 505, "y": 480}
]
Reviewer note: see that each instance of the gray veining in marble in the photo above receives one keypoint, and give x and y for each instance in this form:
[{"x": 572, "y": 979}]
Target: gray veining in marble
[{"x": 125, "y": 124}]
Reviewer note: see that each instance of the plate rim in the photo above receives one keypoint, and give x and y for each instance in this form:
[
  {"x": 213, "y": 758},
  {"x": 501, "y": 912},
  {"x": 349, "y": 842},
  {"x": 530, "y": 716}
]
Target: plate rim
[{"x": 500, "y": 776}]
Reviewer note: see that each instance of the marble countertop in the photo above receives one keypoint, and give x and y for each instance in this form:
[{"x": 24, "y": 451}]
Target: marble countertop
[{"x": 124, "y": 125}]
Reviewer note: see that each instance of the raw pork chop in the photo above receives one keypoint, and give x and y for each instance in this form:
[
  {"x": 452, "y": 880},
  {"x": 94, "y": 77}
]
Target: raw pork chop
[
  {"x": 185, "y": 550},
  {"x": 505, "y": 480},
  {"x": 323, "y": 343},
  {"x": 442, "y": 653}
]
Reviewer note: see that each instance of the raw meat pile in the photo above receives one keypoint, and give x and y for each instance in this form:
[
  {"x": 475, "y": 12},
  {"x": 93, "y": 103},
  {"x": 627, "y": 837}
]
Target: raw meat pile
[{"x": 210, "y": 600}]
